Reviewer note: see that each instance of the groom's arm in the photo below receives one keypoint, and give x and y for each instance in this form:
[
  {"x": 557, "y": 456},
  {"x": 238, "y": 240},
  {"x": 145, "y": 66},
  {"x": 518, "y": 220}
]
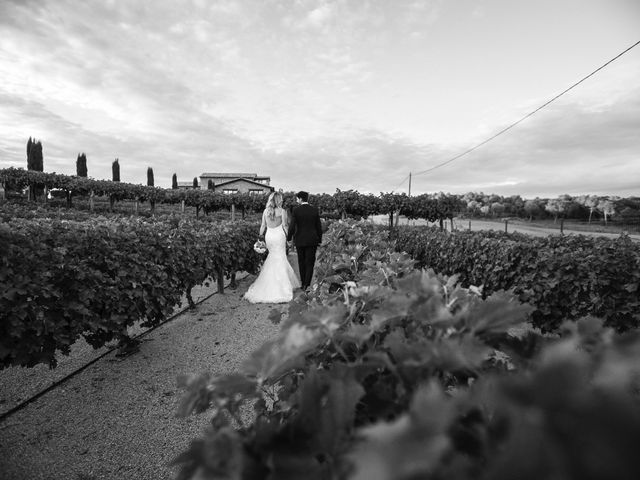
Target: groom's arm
[
  {"x": 292, "y": 227},
  {"x": 319, "y": 227}
]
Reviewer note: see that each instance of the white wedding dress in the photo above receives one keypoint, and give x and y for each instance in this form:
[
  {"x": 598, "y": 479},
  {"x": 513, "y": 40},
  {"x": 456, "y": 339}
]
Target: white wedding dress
[{"x": 277, "y": 280}]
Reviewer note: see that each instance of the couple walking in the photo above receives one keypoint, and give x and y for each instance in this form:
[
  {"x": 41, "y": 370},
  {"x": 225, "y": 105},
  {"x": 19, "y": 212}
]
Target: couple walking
[{"x": 277, "y": 280}]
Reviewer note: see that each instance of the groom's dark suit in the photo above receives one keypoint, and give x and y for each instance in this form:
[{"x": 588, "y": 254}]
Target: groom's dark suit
[{"x": 306, "y": 231}]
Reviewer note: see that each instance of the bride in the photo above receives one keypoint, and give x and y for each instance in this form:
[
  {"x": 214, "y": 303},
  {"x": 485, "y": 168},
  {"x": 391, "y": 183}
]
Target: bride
[{"x": 277, "y": 280}]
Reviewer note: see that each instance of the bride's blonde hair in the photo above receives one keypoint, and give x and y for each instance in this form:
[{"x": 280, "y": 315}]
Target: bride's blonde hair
[{"x": 274, "y": 201}]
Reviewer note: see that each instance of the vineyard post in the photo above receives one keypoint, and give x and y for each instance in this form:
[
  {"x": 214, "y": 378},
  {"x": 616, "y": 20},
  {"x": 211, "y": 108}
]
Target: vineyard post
[
  {"x": 46, "y": 195},
  {"x": 182, "y": 207},
  {"x": 233, "y": 212},
  {"x": 91, "y": 200},
  {"x": 136, "y": 206},
  {"x": 220, "y": 279},
  {"x": 469, "y": 225},
  {"x": 562, "y": 226},
  {"x": 506, "y": 223},
  {"x": 2, "y": 197}
]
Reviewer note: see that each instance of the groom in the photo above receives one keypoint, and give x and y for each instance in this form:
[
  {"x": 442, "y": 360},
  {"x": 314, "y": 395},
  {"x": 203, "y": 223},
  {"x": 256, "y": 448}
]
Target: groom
[{"x": 306, "y": 231}]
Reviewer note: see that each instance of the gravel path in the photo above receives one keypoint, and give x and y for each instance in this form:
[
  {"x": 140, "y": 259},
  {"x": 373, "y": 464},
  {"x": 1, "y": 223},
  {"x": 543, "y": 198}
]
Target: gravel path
[
  {"x": 116, "y": 419},
  {"x": 18, "y": 384}
]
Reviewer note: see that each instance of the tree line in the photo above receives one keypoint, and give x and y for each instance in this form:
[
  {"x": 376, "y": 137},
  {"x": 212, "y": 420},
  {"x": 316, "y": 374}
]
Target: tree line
[
  {"x": 35, "y": 162},
  {"x": 432, "y": 207},
  {"x": 581, "y": 207}
]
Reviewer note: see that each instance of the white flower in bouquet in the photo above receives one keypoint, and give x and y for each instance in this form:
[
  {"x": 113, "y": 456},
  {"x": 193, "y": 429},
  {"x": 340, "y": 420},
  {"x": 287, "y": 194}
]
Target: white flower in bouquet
[{"x": 260, "y": 247}]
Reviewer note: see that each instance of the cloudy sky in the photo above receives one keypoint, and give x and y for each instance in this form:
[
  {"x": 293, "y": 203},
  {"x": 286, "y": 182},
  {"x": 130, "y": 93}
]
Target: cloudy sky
[{"x": 326, "y": 94}]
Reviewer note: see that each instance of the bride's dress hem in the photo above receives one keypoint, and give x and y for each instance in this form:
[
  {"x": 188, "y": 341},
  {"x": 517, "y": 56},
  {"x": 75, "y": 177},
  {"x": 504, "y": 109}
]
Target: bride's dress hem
[{"x": 276, "y": 280}]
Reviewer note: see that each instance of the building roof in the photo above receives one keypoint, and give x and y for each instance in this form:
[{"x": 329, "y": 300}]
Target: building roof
[
  {"x": 236, "y": 179},
  {"x": 230, "y": 175},
  {"x": 185, "y": 184}
]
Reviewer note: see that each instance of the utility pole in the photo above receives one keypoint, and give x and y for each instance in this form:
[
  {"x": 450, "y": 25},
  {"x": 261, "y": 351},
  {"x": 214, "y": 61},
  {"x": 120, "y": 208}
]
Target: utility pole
[{"x": 409, "y": 183}]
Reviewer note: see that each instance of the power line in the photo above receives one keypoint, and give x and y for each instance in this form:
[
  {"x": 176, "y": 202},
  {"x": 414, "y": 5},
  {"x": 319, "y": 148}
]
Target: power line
[
  {"x": 525, "y": 117},
  {"x": 404, "y": 180}
]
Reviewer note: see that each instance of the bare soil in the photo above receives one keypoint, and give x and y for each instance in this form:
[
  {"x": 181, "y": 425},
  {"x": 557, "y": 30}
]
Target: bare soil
[{"x": 116, "y": 419}]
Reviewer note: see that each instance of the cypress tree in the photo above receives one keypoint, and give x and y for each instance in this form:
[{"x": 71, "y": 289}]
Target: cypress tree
[
  {"x": 34, "y": 155},
  {"x": 81, "y": 165},
  {"x": 35, "y": 162},
  {"x": 32, "y": 192},
  {"x": 195, "y": 182},
  {"x": 29, "y": 157},
  {"x": 174, "y": 182},
  {"x": 38, "y": 162},
  {"x": 150, "y": 183},
  {"x": 115, "y": 169}
]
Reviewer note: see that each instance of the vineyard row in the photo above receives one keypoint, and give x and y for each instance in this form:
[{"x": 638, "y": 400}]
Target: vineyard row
[
  {"x": 93, "y": 278},
  {"x": 341, "y": 203},
  {"x": 63, "y": 280},
  {"x": 387, "y": 372},
  {"x": 563, "y": 277}
]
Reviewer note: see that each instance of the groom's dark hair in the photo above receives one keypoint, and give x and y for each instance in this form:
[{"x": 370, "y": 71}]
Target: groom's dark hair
[{"x": 304, "y": 196}]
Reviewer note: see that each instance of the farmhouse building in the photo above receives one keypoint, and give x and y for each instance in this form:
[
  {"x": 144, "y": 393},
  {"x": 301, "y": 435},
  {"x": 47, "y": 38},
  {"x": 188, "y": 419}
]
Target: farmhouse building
[
  {"x": 231, "y": 183},
  {"x": 186, "y": 185}
]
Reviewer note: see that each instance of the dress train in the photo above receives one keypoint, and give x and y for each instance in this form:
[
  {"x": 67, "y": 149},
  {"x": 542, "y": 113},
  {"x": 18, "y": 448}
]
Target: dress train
[{"x": 277, "y": 280}]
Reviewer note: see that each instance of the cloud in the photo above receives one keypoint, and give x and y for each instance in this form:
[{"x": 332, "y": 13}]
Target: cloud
[
  {"x": 566, "y": 148},
  {"x": 319, "y": 16},
  {"x": 423, "y": 13},
  {"x": 360, "y": 162},
  {"x": 337, "y": 92},
  {"x": 338, "y": 68}
]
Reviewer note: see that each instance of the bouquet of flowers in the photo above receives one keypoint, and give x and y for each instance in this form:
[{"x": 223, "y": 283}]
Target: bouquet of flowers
[{"x": 260, "y": 247}]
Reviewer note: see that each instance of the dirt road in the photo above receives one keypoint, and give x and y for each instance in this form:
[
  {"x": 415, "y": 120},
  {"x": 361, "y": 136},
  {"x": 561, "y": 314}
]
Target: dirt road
[{"x": 512, "y": 226}]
